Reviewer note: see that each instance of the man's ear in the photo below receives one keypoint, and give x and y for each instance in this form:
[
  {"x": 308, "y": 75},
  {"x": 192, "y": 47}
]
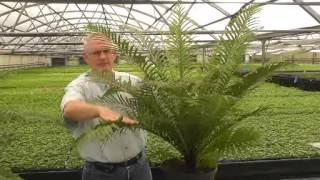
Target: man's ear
[
  {"x": 85, "y": 58},
  {"x": 116, "y": 61}
]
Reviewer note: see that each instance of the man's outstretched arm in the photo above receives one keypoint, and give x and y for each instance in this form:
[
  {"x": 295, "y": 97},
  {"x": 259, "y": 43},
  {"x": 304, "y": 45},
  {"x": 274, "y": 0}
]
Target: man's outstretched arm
[{"x": 80, "y": 111}]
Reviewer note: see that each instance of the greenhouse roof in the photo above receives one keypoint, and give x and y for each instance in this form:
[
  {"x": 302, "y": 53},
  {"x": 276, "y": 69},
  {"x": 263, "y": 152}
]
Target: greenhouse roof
[{"x": 56, "y": 27}]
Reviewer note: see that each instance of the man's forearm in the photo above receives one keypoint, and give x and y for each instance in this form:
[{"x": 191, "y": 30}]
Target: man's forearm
[{"x": 80, "y": 111}]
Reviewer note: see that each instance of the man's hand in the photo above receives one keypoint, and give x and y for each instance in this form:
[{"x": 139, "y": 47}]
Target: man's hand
[
  {"x": 110, "y": 116},
  {"x": 81, "y": 111}
]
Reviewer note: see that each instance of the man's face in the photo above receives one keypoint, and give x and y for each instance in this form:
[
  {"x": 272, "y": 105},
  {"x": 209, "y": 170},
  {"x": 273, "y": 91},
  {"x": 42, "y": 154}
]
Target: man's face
[{"x": 100, "y": 55}]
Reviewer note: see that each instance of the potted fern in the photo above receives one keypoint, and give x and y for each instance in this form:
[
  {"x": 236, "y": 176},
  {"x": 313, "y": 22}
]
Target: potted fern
[{"x": 194, "y": 110}]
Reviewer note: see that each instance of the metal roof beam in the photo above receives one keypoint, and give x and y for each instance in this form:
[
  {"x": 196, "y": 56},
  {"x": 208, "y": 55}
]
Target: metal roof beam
[
  {"x": 41, "y": 43},
  {"x": 115, "y": 24},
  {"x": 39, "y": 34},
  {"x": 133, "y": 17},
  {"x": 129, "y": 14},
  {"x": 58, "y": 21},
  {"x": 212, "y": 4},
  {"x": 80, "y": 10},
  {"x": 309, "y": 10},
  {"x": 18, "y": 18},
  {"x": 283, "y": 33},
  {"x": 60, "y": 13},
  {"x": 60, "y": 53},
  {"x": 31, "y": 24},
  {"x": 194, "y": 22},
  {"x": 80, "y": 43},
  {"x": 77, "y": 28},
  {"x": 32, "y": 34},
  {"x": 160, "y": 15},
  {"x": 315, "y": 3},
  {"x": 17, "y": 10},
  {"x": 231, "y": 15},
  {"x": 104, "y": 13},
  {"x": 156, "y": 20},
  {"x": 8, "y": 14}
]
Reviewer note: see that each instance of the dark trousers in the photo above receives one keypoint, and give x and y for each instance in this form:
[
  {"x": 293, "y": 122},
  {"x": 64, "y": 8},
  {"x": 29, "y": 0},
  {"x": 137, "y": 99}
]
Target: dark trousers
[{"x": 138, "y": 171}]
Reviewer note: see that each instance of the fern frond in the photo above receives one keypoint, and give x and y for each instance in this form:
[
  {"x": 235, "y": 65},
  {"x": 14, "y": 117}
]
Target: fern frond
[
  {"x": 239, "y": 88},
  {"x": 155, "y": 61},
  {"x": 179, "y": 49},
  {"x": 114, "y": 84},
  {"x": 230, "y": 49},
  {"x": 231, "y": 119},
  {"x": 122, "y": 102},
  {"x": 101, "y": 132},
  {"x": 230, "y": 140}
]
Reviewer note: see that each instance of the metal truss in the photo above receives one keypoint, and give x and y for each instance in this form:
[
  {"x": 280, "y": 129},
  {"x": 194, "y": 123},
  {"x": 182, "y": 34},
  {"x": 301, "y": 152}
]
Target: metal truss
[{"x": 39, "y": 26}]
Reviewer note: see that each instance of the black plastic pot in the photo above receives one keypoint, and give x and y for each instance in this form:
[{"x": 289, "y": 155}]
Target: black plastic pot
[
  {"x": 265, "y": 169},
  {"x": 291, "y": 80},
  {"x": 269, "y": 169},
  {"x": 52, "y": 174},
  {"x": 309, "y": 84},
  {"x": 284, "y": 80},
  {"x": 178, "y": 175}
]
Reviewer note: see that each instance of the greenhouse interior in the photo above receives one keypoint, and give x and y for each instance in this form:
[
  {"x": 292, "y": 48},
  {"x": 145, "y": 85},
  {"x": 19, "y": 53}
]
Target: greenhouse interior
[{"x": 218, "y": 89}]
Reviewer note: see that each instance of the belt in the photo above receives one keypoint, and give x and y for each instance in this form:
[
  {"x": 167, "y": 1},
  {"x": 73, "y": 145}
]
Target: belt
[{"x": 103, "y": 165}]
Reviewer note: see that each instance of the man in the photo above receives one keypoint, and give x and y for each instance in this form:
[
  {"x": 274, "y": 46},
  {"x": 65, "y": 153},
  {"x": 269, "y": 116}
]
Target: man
[{"x": 123, "y": 156}]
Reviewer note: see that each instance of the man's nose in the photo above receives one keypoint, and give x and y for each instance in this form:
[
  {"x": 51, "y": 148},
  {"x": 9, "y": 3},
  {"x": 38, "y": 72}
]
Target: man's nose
[{"x": 102, "y": 54}]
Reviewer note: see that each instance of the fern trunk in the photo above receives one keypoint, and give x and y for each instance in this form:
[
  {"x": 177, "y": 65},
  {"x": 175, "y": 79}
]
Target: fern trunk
[{"x": 191, "y": 162}]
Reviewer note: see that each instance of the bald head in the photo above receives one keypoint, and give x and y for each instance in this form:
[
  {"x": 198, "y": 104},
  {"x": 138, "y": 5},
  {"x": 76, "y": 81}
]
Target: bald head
[{"x": 100, "y": 38}]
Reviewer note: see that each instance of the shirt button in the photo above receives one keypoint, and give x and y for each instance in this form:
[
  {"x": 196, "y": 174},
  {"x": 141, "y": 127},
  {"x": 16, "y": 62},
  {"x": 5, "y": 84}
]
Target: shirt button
[{"x": 126, "y": 147}]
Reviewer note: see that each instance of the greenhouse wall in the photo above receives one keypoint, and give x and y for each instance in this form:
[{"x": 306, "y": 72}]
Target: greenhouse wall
[
  {"x": 17, "y": 60},
  {"x": 294, "y": 57},
  {"x": 73, "y": 61}
]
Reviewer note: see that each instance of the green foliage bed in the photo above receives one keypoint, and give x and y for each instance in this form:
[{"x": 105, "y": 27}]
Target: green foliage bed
[{"x": 40, "y": 141}]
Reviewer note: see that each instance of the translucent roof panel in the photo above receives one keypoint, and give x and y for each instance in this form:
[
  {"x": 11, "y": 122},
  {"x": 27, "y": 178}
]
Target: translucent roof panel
[
  {"x": 273, "y": 17},
  {"x": 36, "y": 26}
]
